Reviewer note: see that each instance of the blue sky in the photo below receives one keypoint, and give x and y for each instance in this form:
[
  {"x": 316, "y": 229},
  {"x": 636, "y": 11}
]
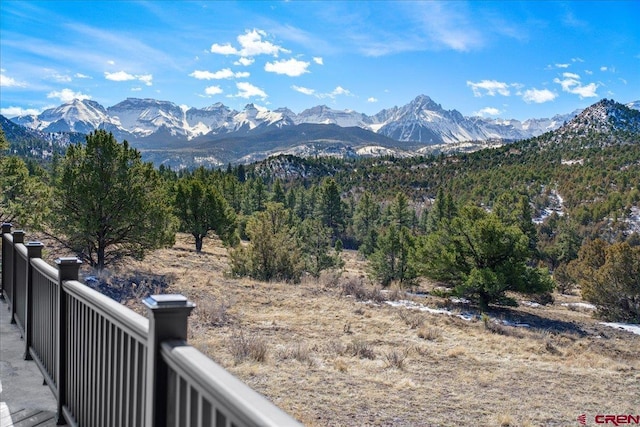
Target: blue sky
[{"x": 496, "y": 59}]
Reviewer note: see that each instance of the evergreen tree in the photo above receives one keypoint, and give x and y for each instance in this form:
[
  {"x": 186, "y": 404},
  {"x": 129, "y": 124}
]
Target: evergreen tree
[
  {"x": 273, "y": 252},
  {"x": 315, "y": 242},
  {"x": 108, "y": 203},
  {"x": 331, "y": 208},
  {"x": 277, "y": 193},
  {"x": 200, "y": 209},
  {"x": 365, "y": 220},
  {"x": 482, "y": 257},
  {"x": 392, "y": 259}
]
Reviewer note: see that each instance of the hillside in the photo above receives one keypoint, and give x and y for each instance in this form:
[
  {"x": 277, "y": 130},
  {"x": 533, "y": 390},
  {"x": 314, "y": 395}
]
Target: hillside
[
  {"x": 30, "y": 143},
  {"x": 592, "y": 162},
  {"x": 328, "y": 358}
]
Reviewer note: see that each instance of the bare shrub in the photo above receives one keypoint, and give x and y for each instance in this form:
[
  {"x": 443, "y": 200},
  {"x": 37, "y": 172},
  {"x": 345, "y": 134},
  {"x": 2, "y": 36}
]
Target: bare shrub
[
  {"x": 361, "y": 349},
  {"x": 396, "y": 358},
  {"x": 214, "y": 312},
  {"x": 355, "y": 288},
  {"x": 412, "y": 319},
  {"x": 376, "y": 295},
  {"x": 337, "y": 347},
  {"x": 298, "y": 351},
  {"x": 330, "y": 278},
  {"x": 396, "y": 293},
  {"x": 429, "y": 333},
  {"x": 247, "y": 347}
]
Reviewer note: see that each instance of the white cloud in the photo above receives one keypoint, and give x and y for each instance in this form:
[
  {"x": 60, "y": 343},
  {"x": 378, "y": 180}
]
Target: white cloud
[
  {"x": 111, "y": 62},
  {"x": 226, "y": 49},
  {"x": 571, "y": 83},
  {"x": 247, "y": 90},
  {"x": 6, "y": 81},
  {"x": 61, "y": 78},
  {"x": 244, "y": 61},
  {"x": 487, "y": 111},
  {"x": 538, "y": 96},
  {"x": 136, "y": 89},
  {"x": 213, "y": 90},
  {"x": 571, "y": 76},
  {"x": 18, "y": 111},
  {"x": 372, "y": 99},
  {"x": 303, "y": 90},
  {"x": 603, "y": 68},
  {"x": 251, "y": 44},
  {"x": 147, "y": 79},
  {"x": 340, "y": 91},
  {"x": 81, "y": 76},
  {"x": 490, "y": 87},
  {"x": 562, "y": 65},
  {"x": 225, "y": 73},
  {"x": 290, "y": 67},
  {"x": 448, "y": 25},
  {"x": 123, "y": 76},
  {"x": 120, "y": 76},
  {"x": 67, "y": 95},
  {"x": 318, "y": 60},
  {"x": 588, "y": 72},
  {"x": 587, "y": 91},
  {"x": 577, "y": 59}
]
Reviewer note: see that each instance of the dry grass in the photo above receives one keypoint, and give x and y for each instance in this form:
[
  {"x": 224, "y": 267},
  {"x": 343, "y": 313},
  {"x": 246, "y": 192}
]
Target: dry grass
[{"x": 330, "y": 352}]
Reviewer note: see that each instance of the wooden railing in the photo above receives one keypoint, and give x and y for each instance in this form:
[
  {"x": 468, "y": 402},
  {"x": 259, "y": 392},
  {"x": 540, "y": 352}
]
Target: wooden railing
[{"x": 107, "y": 365}]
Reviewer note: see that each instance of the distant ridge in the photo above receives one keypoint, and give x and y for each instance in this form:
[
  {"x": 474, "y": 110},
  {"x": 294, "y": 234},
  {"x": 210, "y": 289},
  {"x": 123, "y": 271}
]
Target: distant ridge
[{"x": 216, "y": 135}]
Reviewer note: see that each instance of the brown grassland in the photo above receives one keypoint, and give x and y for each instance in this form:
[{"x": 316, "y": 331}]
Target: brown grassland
[{"x": 330, "y": 359}]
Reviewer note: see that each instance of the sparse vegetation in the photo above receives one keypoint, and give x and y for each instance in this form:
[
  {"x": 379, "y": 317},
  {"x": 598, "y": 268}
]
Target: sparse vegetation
[{"x": 311, "y": 348}]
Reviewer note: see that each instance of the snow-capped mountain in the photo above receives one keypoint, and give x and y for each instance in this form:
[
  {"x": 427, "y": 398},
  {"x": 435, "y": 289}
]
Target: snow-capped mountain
[
  {"x": 634, "y": 105},
  {"x": 325, "y": 115},
  {"x": 75, "y": 116},
  {"x": 422, "y": 121}
]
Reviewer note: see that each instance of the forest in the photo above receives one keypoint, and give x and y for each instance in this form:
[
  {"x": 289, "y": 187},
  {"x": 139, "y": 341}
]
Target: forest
[{"x": 527, "y": 217}]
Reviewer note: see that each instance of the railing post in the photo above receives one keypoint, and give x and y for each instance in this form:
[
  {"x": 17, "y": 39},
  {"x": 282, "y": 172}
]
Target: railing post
[
  {"x": 18, "y": 237},
  {"x": 167, "y": 321},
  {"x": 34, "y": 250},
  {"x": 6, "y": 229},
  {"x": 68, "y": 269}
]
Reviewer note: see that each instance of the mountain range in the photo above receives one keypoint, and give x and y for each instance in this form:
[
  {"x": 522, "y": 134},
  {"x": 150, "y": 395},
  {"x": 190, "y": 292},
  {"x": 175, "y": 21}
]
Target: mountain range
[{"x": 181, "y": 136}]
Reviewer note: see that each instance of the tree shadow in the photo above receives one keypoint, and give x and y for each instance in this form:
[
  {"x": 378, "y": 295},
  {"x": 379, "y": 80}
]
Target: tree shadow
[{"x": 538, "y": 322}]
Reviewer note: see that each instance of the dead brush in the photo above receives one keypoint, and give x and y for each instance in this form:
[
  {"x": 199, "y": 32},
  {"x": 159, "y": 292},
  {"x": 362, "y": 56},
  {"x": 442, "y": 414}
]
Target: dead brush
[
  {"x": 298, "y": 351},
  {"x": 411, "y": 318},
  {"x": 244, "y": 347},
  {"x": 429, "y": 333},
  {"x": 395, "y": 358},
  {"x": 361, "y": 349},
  {"x": 214, "y": 312},
  {"x": 356, "y": 288}
]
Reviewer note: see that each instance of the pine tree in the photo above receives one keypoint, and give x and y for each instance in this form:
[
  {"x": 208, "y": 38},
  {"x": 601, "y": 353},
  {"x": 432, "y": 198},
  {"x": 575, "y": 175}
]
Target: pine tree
[
  {"x": 108, "y": 203},
  {"x": 365, "y": 220},
  {"x": 200, "y": 209}
]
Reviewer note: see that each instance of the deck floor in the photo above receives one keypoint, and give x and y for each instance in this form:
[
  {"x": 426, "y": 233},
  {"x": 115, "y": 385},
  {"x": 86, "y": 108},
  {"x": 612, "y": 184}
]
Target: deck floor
[{"x": 24, "y": 400}]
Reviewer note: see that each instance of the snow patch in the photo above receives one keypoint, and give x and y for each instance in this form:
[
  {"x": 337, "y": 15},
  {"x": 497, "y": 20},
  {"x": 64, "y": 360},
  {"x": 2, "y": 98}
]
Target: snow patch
[
  {"x": 635, "y": 329},
  {"x": 421, "y": 307}
]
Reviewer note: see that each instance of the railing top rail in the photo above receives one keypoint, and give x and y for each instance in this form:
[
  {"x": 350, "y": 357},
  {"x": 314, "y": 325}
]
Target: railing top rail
[
  {"x": 45, "y": 269},
  {"x": 124, "y": 317},
  {"x": 212, "y": 379},
  {"x": 8, "y": 237},
  {"x": 21, "y": 249}
]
